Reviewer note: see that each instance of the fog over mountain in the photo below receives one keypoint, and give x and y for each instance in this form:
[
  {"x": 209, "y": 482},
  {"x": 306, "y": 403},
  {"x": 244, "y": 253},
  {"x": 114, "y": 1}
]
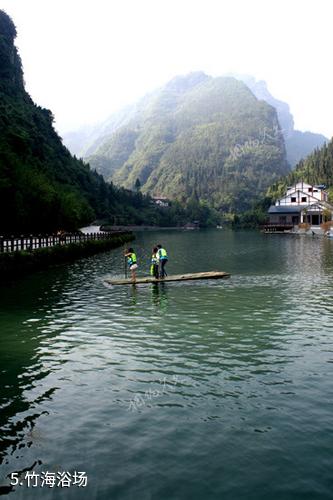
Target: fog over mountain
[
  {"x": 198, "y": 136},
  {"x": 298, "y": 144},
  {"x": 84, "y": 141}
]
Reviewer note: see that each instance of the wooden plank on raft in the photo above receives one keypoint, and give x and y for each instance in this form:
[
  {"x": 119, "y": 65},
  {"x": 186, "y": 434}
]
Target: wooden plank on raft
[{"x": 176, "y": 277}]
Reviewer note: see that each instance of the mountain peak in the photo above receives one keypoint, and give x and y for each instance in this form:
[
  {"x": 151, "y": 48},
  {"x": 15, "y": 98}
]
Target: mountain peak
[
  {"x": 11, "y": 74},
  {"x": 298, "y": 144},
  {"x": 197, "y": 136},
  {"x": 7, "y": 27},
  {"x": 183, "y": 83}
]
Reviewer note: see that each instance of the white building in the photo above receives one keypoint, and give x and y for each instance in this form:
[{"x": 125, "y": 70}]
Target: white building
[
  {"x": 161, "y": 201},
  {"x": 302, "y": 203},
  {"x": 303, "y": 194}
]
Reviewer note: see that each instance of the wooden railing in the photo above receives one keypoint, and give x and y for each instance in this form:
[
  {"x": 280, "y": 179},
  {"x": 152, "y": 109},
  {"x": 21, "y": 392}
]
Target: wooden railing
[
  {"x": 29, "y": 243},
  {"x": 276, "y": 227}
]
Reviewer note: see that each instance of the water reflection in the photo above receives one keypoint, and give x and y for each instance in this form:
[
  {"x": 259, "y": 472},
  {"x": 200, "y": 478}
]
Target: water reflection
[
  {"x": 24, "y": 390},
  {"x": 159, "y": 293},
  {"x": 133, "y": 295},
  {"x": 327, "y": 255},
  {"x": 253, "y": 357}
]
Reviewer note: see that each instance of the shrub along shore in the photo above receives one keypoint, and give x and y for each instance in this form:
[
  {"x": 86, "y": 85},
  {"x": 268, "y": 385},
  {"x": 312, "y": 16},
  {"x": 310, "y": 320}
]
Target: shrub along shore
[{"x": 13, "y": 264}]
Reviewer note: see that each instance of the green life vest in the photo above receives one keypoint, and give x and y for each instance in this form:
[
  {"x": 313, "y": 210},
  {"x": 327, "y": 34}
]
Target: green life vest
[
  {"x": 154, "y": 259},
  {"x": 131, "y": 259},
  {"x": 162, "y": 254}
]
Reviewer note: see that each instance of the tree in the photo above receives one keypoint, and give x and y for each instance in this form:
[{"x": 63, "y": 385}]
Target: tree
[{"x": 137, "y": 185}]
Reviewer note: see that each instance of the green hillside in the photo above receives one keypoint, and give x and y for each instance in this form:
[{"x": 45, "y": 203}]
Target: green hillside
[
  {"x": 42, "y": 187},
  {"x": 198, "y": 136},
  {"x": 317, "y": 168}
]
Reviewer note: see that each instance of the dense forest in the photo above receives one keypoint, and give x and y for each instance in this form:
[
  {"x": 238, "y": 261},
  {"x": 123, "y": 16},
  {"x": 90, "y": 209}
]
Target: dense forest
[
  {"x": 42, "y": 187},
  {"x": 197, "y": 137},
  {"x": 207, "y": 143},
  {"x": 317, "y": 168}
]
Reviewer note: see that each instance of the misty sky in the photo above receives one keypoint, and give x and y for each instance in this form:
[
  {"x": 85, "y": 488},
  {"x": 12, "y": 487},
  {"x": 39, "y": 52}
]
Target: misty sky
[{"x": 84, "y": 59}]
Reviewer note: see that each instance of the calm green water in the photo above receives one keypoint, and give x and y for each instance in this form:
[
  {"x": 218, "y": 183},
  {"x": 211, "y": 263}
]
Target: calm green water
[{"x": 198, "y": 390}]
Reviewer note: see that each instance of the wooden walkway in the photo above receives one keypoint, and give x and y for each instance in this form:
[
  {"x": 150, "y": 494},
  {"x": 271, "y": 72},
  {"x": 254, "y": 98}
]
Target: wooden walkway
[
  {"x": 176, "y": 277},
  {"x": 29, "y": 243}
]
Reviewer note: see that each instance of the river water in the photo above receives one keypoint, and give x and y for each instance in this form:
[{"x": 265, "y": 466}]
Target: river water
[{"x": 197, "y": 390}]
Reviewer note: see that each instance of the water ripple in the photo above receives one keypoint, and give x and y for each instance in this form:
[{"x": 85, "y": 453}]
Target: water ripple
[{"x": 136, "y": 377}]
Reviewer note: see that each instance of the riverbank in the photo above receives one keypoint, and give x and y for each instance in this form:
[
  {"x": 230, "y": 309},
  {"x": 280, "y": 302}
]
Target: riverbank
[
  {"x": 107, "y": 227},
  {"x": 325, "y": 229},
  {"x": 13, "y": 264}
]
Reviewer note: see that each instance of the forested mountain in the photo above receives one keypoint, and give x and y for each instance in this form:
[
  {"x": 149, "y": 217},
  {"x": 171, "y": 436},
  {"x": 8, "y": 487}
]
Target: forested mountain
[
  {"x": 298, "y": 144},
  {"x": 197, "y": 137},
  {"x": 317, "y": 168},
  {"x": 42, "y": 187}
]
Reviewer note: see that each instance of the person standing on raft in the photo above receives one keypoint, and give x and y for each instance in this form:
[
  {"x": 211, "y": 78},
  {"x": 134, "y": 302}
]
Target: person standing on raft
[
  {"x": 154, "y": 263},
  {"x": 162, "y": 257},
  {"x": 132, "y": 262}
]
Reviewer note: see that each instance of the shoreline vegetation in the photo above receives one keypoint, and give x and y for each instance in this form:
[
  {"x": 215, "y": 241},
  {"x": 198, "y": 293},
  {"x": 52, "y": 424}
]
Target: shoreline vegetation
[
  {"x": 13, "y": 264},
  {"x": 143, "y": 227}
]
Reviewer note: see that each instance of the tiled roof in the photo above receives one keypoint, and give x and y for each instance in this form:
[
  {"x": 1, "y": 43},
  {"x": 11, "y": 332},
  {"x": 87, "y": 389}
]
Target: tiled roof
[{"x": 285, "y": 209}]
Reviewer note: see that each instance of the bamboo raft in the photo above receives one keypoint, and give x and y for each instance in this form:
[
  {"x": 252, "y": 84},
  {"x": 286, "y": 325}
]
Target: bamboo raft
[{"x": 176, "y": 277}]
